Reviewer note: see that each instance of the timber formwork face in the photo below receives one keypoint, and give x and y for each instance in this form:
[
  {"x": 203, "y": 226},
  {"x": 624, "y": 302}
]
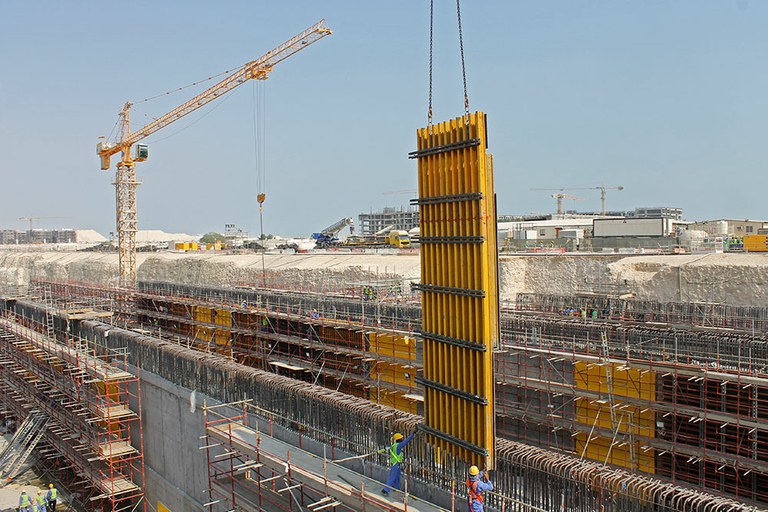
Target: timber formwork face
[
  {"x": 459, "y": 286},
  {"x": 93, "y": 405}
]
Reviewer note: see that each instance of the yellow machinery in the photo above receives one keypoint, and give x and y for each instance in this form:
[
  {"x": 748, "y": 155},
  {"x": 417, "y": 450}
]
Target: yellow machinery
[
  {"x": 755, "y": 243},
  {"x": 459, "y": 285},
  {"x": 132, "y": 152}
]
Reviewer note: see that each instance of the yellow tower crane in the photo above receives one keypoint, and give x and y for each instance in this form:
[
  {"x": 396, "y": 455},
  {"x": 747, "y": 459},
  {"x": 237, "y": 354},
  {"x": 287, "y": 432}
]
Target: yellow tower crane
[{"x": 132, "y": 152}]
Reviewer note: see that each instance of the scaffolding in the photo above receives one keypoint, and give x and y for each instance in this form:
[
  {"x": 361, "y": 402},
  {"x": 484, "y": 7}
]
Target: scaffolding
[
  {"x": 688, "y": 405},
  {"x": 750, "y": 319},
  {"x": 92, "y": 404},
  {"x": 248, "y": 470},
  {"x": 528, "y": 478},
  {"x": 683, "y": 403}
]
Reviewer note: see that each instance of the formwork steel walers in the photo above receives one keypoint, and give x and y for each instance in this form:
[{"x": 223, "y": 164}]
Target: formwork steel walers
[{"x": 93, "y": 403}]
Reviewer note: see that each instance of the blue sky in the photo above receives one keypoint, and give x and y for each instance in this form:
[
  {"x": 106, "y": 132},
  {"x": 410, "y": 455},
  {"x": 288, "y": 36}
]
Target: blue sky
[{"x": 667, "y": 98}]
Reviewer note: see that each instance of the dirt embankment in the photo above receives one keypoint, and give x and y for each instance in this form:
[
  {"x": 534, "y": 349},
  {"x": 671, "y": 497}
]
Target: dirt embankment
[{"x": 730, "y": 278}]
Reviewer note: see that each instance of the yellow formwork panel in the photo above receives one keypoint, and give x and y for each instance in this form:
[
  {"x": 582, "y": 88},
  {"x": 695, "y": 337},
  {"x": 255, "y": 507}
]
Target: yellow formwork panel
[
  {"x": 203, "y": 314},
  {"x": 400, "y": 346},
  {"x": 625, "y": 384},
  {"x": 459, "y": 286},
  {"x": 223, "y": 317},
  {"x": 393, "y": 373},
  {"x": 629, "y": 419},
  {"x": 599, "y": 449},
  {"x": 628, "y": 382}
]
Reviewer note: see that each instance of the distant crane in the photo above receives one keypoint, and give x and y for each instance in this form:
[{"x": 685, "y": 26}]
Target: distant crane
[
  {"x": 559, "y": 197},
  {"x": 601, "y": 188},
  {"x": 31, "y": 219},
  {"x": 329, "y": 235},
  {"x": 132, "y": 152}
]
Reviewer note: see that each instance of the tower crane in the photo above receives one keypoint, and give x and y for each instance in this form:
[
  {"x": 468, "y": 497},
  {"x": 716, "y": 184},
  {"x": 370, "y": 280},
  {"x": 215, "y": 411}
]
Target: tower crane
[
  {"x": 559, "y": 197},
  {"x": 32, "y": 218},
  {"x": 127, "y": 141},
  {"x": 601, "y": 188}
]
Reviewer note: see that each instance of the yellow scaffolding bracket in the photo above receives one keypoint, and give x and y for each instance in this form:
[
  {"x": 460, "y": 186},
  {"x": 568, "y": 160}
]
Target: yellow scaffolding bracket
[{"x": 459, "y": 285}]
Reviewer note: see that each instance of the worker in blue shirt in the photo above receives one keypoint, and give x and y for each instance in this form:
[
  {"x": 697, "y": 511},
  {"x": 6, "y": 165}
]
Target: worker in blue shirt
[
  {"x": 396, "y": 460},
  {"x": 477, "y": 483},
  {"x": 25, "y": 502},
  {"x": 51, "y": 497},
  {"x": 41, "y": 501}
]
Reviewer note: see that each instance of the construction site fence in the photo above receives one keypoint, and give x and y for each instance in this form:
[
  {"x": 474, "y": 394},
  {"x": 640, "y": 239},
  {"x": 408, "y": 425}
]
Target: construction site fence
[{"x": 750, "y": 319}]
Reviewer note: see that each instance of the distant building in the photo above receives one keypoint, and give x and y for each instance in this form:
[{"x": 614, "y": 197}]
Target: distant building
[
  {"x": 38, "y": 236},
  {"x": 730, "y": 227},
  {"x": 546, "y": 229},
  {"x": 49, "y": 236},
  {"x": 403, "y": 218},
  {"x": 657, "y": 212}
]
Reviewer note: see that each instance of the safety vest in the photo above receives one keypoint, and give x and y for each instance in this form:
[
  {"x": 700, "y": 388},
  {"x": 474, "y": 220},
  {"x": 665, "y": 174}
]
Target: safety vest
[
  {"x": 473, "y": 494},
  {"x": 35, "y": 508},
  {"x": 53, "y": 493},
  {"x": 24, "y": 501},
  {"x": 394, "y": 457},
  {"x": 40, "y": 500}
]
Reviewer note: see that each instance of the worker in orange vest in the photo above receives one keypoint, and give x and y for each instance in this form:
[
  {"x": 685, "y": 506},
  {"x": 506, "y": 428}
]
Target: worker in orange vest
[{"x": 477, "y": 483}]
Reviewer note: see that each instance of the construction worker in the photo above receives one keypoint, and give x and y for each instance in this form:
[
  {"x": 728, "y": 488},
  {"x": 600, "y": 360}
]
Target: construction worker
[
  {"x": 396, "y": 460},
  {"x": 50, "y": 498},
  {"x": 25, "y": 503},
  {"x": 477, "y": 483},
  {"x": 41, "y": 503}
]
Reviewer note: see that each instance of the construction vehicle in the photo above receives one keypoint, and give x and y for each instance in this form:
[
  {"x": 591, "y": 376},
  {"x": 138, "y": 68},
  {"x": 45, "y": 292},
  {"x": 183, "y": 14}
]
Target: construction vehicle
[
  {"x": 755, "y": 243},
  {"x": 387, "y": 237},
  {"x": 329, "y": 236},
  {"x": 127, "y": 142},
  {"x": 399, "y": 239}
]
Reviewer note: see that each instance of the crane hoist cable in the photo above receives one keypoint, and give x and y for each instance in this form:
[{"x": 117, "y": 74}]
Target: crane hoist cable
[
  {"x": 461, "y": 51},
  {"x": 260, "y": 161}
]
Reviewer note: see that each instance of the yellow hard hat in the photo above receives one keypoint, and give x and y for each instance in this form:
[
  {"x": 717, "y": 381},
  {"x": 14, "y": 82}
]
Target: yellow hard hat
[
  {"x": 50, "y": 485},
  {"x": 39, "y": 491},
  {"x": 397, "y": 436},
  {"x": 474, "y": 471}
]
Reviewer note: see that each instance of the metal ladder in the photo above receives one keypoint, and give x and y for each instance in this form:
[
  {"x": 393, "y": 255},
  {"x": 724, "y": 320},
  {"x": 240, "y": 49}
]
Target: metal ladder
[
  {"x": 24, "y": 441},
  {"x": 48, "y": 299}
]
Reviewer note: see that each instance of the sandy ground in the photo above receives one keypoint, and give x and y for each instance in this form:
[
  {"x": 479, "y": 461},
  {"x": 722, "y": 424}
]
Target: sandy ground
[{"x": 29, "y": 481}]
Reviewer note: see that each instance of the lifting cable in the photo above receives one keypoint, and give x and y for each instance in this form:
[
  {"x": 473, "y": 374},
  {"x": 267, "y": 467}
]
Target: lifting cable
[
  {"x": 260, "y": 159},
  {"x": 463, "y": 65},
  {"x": 463, "y": 68}
]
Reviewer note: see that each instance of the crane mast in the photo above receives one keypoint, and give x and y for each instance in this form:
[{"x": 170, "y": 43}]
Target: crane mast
[
  {"x": 132, "y": 152},
  {"x": 601, "y": 188}
]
